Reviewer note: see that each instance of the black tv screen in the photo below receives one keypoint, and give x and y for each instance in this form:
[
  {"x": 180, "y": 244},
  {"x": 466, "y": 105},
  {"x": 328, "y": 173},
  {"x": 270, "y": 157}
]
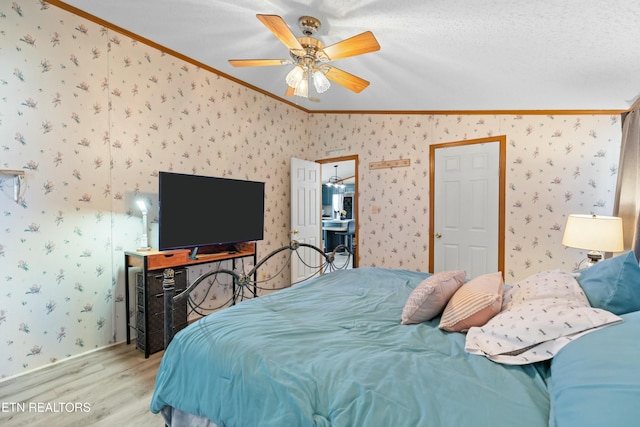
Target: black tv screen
[{"x": 198, "y": 211}]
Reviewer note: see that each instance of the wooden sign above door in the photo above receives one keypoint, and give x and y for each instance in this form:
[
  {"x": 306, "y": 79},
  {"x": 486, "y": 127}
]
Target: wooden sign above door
[{"x": 386, "y": 164}]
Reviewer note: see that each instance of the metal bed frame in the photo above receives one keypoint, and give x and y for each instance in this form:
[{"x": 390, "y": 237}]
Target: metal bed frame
[{"x": 241, "y": 281}]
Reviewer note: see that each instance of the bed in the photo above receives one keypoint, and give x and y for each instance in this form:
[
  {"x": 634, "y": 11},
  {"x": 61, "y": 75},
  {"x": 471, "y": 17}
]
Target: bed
[{"x": 337, "y": 350}]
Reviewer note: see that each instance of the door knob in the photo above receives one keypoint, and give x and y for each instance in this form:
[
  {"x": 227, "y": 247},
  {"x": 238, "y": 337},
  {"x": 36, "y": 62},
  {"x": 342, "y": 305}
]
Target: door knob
[
  {"x": 438, "y": 235},
  {"x": 295, "y": 232}
]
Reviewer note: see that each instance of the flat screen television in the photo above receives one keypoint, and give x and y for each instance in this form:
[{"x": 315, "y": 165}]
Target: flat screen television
[{"x": 202, "y": 211}]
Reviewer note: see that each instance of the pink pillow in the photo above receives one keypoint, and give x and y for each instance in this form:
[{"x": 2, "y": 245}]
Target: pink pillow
[
  {"x": 474, "y": 303},
  {"x": 428, "y": 299}
]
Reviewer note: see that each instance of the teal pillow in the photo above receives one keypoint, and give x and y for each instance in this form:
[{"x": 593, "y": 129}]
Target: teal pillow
[
  {"x": 595, "y": 380},
  {"x": 613, "y": 284}
]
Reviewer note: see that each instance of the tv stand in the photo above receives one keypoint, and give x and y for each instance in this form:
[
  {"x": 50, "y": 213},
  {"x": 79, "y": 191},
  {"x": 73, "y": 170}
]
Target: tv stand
[
  {"x": 154, "y": 260},
  {"x": 206, "y": 251}
]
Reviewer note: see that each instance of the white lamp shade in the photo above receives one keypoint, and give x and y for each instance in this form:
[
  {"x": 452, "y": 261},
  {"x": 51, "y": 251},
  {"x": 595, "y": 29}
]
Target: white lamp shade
[
  {"x": 142, "y": 206},
  {"x": 320, "y": 81},
  {"x": 302, "y": 89},
  {"x": 295, "y": 76},
  {"x": 594, "y": 233}
]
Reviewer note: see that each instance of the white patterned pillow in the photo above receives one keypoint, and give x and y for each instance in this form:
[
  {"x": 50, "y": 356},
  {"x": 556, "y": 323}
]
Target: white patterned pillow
[
  {"x": 428, "y": 299},
  {"x": 539, "y": 316}
]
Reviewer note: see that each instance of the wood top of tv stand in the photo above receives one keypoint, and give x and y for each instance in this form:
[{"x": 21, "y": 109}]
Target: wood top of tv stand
[{"x": 157, "y": 259}]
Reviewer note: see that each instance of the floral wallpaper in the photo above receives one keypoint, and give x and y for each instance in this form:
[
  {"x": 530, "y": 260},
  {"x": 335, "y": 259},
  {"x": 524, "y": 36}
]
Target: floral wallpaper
[
  {"x": 92, "y": 116},
  {"x": 556, "y": 166}
]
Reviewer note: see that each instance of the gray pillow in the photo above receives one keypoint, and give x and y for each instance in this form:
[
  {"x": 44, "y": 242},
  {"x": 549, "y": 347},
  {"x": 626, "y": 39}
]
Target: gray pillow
[{"x": 430, "y": 297}]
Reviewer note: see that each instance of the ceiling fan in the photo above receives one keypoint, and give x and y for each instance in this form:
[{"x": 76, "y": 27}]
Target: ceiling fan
[{"x": 311, "y": 58}]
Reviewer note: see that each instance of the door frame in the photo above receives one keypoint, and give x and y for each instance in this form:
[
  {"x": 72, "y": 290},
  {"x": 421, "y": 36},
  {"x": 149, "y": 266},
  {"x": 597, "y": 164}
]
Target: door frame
[
  {"x": 502, "y": 140},
  {"x": 353, "y": 157}
]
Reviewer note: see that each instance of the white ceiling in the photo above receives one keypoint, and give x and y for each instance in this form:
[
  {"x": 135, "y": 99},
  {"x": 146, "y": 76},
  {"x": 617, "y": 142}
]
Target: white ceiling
[{"x": 436, "y": 55}]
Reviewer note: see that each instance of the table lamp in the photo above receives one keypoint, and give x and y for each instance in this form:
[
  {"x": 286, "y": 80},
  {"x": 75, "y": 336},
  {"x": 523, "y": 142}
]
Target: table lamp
[
  {"x": 144, "y": 239},
  {"x": 595, "y": 233}
]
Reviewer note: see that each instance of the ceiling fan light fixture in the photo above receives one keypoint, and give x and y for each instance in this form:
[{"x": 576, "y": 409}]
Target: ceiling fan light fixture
[
  {"x": 295, "y": 76},
  {"x": 309, "y": 57},
  {"x": 302, "y": 89},
  {"x": 320, "y": 81}
]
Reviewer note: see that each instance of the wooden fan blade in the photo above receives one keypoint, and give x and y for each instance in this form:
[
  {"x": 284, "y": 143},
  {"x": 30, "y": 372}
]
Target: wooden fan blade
[
  {"x": 356, "y": 45},
  {"x": 257, "y": 62},
  {"x": 347, "y": 80},
  {"x": 281, "y": 30},
  {"x": 290, "y": 92}
]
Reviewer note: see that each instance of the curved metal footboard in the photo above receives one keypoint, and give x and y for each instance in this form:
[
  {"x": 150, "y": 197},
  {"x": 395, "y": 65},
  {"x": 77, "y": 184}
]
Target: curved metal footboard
[{"x": 241, "y": 281}]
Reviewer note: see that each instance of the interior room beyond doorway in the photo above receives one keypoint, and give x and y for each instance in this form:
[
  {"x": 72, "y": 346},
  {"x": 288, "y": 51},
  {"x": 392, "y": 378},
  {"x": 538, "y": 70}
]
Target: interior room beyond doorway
[{"x": 339, "y": 203}]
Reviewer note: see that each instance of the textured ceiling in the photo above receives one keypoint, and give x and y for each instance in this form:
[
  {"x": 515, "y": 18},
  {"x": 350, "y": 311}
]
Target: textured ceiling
[{"x": 436, "y": 55}]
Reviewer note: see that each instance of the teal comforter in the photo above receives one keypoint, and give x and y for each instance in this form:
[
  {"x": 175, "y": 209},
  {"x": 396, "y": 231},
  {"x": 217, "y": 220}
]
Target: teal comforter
[{"x": 332, "y": 352}]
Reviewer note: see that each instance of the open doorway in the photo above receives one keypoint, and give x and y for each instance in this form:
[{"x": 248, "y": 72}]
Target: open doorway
[{"x": 340, "y": 203}]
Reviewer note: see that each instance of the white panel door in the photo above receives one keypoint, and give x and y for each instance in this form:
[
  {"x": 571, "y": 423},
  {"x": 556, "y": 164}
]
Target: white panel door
[
  {"x": 466, "y": 208},
  {"x": 306, "y": 214}
]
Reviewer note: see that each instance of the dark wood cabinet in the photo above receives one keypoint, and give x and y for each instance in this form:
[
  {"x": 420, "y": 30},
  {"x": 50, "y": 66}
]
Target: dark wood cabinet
[{"x": 150, "y": 310}]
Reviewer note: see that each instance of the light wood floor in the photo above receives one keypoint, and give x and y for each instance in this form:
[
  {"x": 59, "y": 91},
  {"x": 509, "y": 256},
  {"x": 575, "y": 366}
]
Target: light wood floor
[{"x": 116, "y": 384}]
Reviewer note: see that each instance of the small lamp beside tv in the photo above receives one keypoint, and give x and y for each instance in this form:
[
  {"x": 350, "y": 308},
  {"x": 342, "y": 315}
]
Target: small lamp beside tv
[
  {"x": 144, "y": 238},
  {"x": 595, "y": 233}
]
